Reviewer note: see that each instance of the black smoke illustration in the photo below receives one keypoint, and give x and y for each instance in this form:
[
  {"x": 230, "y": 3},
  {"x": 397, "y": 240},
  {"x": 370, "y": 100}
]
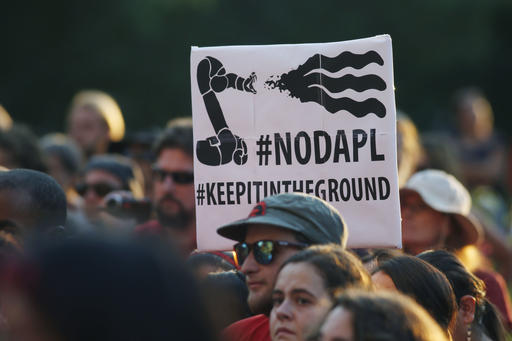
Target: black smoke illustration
[
  {"x": 224, "y": 146},
  {"x": 306, "y": 84}
]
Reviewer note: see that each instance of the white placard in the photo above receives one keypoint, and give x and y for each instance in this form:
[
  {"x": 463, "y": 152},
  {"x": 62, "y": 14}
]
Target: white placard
[{"x": 314, "y": 118}]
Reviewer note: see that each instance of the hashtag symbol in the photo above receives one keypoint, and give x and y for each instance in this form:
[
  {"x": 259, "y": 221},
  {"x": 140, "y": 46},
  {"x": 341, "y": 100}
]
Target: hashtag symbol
[
  {"x": 264, "y": 151},
  {"x": 200, "y": 194}
]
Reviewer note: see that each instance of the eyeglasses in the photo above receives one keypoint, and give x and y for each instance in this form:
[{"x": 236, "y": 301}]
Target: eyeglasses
[
  {"x": 264, "y": 250},
  {"x": 101, "y": 188},
  {"x": 181, "y": 178}
]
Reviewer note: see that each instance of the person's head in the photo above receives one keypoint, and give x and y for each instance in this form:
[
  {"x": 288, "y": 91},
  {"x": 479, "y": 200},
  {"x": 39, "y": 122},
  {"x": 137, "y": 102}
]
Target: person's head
[
  {"x": 225, "y": 289},
  {"x": 107, "y": 173},
  {"x": 277, "y": 228},
  {"x": 95, "y": 120},
  {"x": 435, "y": 210},
  {"x": 364, "y": 316},
  {"x": 473, "y": 309},
  {"x": 138, "y": 147},
  {"x": 101, "y": 289},
  {"x": 423, "y": 282},
  {"x": 306, "y": 286},
  {"x": 475, "y": 118},
  {"x": 19, "y": 149},
  {"x": 30, "y": 202},
  {"x": 63, "y": 158},
  {"x": 173, "y": 177}
]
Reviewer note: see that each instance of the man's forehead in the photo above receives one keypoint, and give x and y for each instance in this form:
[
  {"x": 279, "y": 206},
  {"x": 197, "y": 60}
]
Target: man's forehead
[{"x": 257, "y": 232}]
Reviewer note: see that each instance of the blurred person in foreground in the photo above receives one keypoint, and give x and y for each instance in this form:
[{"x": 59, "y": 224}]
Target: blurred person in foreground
[
  {"x": 436, "y": 214},
  {"x": 94, "y": 121},
  {"x": 173, "y": 188},
  {"x": 306, "y": 287},
  {"x": 381, "y": 316},
  {"x": 477, "y": 319},
  {"x": 276, "y": 229},
  {"x": 31, "y": 203},
  {"x": 101, "y": 289},
  {"x": 105, "y": 174}
]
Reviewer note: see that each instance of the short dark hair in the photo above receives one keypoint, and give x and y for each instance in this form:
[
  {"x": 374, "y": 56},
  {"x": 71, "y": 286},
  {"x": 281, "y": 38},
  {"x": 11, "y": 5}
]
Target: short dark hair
[
  {"x": 339, "y": 268},
  {"x": 47, "y": 200},
  {"x": 427, "y": 285},
  {"x": 176, "y": 136}
]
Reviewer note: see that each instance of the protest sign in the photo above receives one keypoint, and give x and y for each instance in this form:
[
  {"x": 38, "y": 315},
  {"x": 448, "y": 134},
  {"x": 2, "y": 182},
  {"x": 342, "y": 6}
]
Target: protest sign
[{"x": 313, "y": 118}]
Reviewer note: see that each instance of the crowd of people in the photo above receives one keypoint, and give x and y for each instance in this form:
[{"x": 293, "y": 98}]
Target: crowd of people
[{"x": 98, "y": 242}]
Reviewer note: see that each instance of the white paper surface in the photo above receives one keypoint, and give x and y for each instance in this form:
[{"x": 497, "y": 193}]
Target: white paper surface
[{"x": 283, "y": 99}]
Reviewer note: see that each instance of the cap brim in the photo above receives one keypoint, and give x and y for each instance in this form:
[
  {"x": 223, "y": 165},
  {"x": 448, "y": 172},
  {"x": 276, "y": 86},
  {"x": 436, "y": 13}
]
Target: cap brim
[
  {"x": 470, "y": 227},
  {"x": 237, "y": 229}
]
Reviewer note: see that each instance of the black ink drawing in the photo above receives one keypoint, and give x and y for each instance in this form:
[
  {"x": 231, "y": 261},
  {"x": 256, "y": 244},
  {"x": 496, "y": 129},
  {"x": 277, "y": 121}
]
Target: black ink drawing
[
  {"x": 224, "y": 146},
  {"x": 305, "y": 83}
]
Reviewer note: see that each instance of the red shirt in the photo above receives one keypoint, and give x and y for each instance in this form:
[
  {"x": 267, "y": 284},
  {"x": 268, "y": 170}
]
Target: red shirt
[{"x": 255, "y": 328}]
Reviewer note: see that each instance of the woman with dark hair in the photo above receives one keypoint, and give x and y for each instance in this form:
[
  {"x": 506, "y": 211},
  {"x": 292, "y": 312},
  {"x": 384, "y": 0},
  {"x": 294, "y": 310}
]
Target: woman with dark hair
[
  {"x": 477, "y": 319},
  {"x": 423, "y": 282},
  {"x": 105, "y": 290},
  {"x": 306, "y": 286},
  {"x": 363, "y": 316}
]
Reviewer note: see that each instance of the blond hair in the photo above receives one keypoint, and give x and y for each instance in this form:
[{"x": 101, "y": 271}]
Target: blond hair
[{"x": 107, "y": 107}]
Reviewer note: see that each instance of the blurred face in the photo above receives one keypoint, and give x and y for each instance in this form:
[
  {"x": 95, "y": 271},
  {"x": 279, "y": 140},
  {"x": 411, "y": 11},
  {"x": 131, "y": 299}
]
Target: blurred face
[
  {"x": 423, "y": 228},
  {"x": 173, "y": 188},
  {"x": 98, "y": 183},
  {"x": 300, "y": 302},
  {"x": 57, "y": 171},
  {"x": 338, "y": 326},
  {"x": 88, "y": 129},
  {"x": 261, "y": 278},
  {"x": 382, "y": 281}
]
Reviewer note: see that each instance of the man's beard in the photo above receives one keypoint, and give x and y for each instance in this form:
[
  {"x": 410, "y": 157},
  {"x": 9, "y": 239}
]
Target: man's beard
[{"x": 178, "y": 220}]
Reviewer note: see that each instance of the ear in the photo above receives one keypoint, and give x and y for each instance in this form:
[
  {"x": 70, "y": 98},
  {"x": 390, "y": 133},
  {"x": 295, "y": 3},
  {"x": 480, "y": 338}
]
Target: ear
[{"x": 467, "y": 309}]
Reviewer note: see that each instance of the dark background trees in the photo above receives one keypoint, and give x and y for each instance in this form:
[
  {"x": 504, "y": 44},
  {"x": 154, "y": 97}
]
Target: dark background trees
[{"x": 139, "y": 50}]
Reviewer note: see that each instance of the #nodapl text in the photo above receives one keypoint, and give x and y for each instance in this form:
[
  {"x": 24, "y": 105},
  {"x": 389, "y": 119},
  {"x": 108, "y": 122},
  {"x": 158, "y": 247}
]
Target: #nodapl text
[{"x": 332, "y": 190}]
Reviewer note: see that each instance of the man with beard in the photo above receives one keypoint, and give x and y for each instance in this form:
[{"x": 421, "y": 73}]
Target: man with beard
[{"x": 173, "y": 187}]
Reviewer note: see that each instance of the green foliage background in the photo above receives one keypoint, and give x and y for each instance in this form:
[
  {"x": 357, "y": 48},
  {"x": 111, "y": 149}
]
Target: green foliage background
[{"x": 139, "y": 50}]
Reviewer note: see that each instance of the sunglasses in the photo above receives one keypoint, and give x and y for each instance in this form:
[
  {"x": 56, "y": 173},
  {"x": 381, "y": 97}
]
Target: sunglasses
[
  {"x": 264, "y": 250},
  {"x": 101, "y": 189},
  {"x": 181, "y": 178}
]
